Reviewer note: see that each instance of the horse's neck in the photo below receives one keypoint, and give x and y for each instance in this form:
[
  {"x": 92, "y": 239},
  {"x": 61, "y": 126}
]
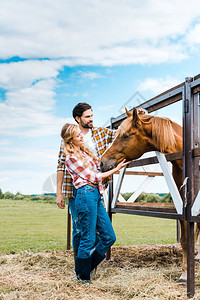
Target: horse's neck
[
  {"x": 177, "y": 172},
  {"x": 176, "y": 147},
  {"x": 177, "y": 168},
  {"x": 168, "y": 135}
]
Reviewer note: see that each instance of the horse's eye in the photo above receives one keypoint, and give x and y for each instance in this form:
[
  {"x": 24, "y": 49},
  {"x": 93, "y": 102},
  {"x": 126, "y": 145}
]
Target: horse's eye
[{"x": 125, "y": 137}]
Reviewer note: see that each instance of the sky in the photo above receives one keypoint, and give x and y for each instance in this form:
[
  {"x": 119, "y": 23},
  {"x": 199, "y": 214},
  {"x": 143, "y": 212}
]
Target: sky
[{"x": 55, "y": 54}]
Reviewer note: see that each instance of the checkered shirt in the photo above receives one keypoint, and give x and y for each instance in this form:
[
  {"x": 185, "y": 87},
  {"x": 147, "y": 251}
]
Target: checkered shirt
[
  {"x": 102, "y": 137},
  {"x": 83, "y": 175}
]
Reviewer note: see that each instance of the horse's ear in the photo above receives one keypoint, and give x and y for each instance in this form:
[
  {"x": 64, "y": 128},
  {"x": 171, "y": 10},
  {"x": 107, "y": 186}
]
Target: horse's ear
[
  {"x": 136, "y": 118},
  {"x": 129, "y": 114}
]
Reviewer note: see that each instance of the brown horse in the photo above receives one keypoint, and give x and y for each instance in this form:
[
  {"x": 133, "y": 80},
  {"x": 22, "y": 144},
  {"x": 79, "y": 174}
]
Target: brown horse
[{"x": 142, "y": 133}]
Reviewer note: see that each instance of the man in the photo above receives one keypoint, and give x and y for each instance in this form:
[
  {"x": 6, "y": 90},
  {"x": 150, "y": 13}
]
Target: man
[{"x": 97, "y": 140}]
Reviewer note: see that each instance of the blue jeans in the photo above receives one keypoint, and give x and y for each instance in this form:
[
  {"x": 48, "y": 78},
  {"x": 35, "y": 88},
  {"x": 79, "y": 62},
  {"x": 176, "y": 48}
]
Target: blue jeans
[
  {"x": 76, "y": 233},
  {"x": 92, "y": 216}
]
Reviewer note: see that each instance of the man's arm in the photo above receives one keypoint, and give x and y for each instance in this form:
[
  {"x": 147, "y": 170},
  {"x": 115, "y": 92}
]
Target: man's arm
[
  {"x": 111, "y": 135},
  {"x": 60, "y": 176},
  {"x": 60, "y": 198}
]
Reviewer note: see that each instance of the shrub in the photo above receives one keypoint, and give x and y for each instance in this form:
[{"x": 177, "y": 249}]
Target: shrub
[
  {"x": 149, "y": 198},
  {"x": 1, "y": 194},
  {"x": 19, "y": 197},
  {"x": 167, "y": 198},
  {"x": 126, "y": 196},
  {"x": 28, "y": 197},
  {"x": 42, "y": 198},
  {"x": 9, "y": 195},
  {"x": 50, "y": 199},
  {"x": 142, "y": 197}
]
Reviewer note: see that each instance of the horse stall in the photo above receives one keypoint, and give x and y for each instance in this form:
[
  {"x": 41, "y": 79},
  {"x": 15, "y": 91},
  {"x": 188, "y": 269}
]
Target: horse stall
[{"x": 185, "y": 207}]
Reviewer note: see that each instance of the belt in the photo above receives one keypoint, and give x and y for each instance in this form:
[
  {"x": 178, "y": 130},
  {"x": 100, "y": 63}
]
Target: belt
[{"x": 93, "y": 185}]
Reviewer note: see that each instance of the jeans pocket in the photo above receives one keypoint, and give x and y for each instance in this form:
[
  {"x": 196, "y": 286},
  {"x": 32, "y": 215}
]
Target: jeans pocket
[{"x": 80, "y": 202}]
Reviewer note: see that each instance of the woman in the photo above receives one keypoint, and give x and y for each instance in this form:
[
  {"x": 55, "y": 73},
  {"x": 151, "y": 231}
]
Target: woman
[{"x": 87, "y": 179}]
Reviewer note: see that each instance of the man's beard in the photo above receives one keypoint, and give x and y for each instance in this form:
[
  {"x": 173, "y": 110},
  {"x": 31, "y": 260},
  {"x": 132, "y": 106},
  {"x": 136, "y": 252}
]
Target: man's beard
[{"x": 87, "y": 125}]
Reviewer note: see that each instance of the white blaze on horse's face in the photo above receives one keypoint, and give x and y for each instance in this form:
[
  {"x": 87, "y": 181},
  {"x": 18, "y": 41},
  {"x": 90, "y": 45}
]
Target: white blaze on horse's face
[{"x": 129, "y": 143}]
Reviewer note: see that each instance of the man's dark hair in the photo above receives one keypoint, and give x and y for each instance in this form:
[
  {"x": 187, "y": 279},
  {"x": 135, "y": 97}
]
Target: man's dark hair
[{"x": 79, "y": 109}]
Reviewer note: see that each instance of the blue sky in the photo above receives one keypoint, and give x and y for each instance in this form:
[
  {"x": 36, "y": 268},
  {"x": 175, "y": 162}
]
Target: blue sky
[{"x": 54, "y": 55}]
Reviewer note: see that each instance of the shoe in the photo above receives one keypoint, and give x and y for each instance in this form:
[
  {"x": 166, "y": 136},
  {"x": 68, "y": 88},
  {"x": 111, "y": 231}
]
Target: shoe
[
  {"x": 83, "y": 281},
  {"x": 75, "y": 251},
  {"x": 83, "y": 268},
  {"x": 96, "y": 259},
  {"x": 93, "y": 274}
]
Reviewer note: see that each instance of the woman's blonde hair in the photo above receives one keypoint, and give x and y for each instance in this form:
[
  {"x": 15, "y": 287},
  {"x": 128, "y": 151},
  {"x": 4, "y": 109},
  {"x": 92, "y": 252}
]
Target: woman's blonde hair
[{"x": 67, "y": 134}]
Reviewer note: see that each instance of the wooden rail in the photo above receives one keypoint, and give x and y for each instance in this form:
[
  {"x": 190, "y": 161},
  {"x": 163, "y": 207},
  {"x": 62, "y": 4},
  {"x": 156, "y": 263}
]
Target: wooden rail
[{"x": 150, "y": 174}]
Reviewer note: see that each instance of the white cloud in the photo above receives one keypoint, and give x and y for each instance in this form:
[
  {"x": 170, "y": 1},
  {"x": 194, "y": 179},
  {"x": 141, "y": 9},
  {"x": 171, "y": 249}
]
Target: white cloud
[
  {"x": 22, "y": 74},
  {"x": 85, "y": 95},
  {"x": 106, "y": 33},
  {"x": 193, "y": 35},
  {"x": 28, "y": 182},
  {"x": 42, "y": 156},
  {"x": 105, "y": 108},
  {"x": 158, "y": 85},
  {"x": 29, "y": 167},
  {"x": 89, "y": 75},
  {"x": 5, "y": 143},
  {"x": 29, "y": 108}
]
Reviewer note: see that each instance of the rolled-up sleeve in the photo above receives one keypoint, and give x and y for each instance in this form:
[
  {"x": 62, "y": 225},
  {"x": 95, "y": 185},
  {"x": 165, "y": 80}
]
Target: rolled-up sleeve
[
  {"x": 99, "y": 176},
  {"x": 61, "y": 159},
  {"x": 111, "y": 135}
]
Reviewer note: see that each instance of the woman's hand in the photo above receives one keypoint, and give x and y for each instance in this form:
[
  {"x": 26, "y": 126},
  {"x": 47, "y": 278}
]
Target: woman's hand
[{"x": 122, "y": 164}]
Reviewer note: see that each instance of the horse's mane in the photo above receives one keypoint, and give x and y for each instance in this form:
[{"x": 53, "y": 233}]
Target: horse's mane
[
  {"x": 163, "y": 133},
  {"x": 125, "y": 126}
]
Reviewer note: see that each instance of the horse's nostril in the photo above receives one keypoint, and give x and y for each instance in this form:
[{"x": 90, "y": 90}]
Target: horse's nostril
[{"x": 101, "y": 164}]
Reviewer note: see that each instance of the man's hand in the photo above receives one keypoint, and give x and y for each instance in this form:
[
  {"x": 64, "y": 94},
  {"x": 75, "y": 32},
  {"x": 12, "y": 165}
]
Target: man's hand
[
  {"x": 141, "y": 111},
  {"x": 60, "y": 201}
]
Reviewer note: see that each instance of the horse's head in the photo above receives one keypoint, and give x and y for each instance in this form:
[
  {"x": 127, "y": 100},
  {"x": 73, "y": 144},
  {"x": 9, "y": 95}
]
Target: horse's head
[{"x": 133, "y": 138}]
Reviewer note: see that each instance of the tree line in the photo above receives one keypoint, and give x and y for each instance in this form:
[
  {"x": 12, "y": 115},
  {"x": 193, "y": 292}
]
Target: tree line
[
  {"x": 150, "y": 198},
  {"x": 18, "y": 196},
  {"x": 51, "y": 198}
]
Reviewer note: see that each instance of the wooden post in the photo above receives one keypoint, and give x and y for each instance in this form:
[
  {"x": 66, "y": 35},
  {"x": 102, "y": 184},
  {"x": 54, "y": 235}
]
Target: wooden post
[
  {"x": 178, "y": 231},
  {"x": 187, "y": 172},
  {"x": 196, "y": 139},
  {"x": 110, "y": 197},
  {"x": 68, "y": 229}
]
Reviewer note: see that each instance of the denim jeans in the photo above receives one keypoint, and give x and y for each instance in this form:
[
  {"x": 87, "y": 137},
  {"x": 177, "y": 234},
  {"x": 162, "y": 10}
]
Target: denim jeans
[
  {"x": 76, "y": 226},
  {"x": 76, "y": 233},
  {"x": 92, "y": 216}
]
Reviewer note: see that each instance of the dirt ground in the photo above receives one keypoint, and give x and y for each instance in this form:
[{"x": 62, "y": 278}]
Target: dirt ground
[{"x": 134, "y": 272}]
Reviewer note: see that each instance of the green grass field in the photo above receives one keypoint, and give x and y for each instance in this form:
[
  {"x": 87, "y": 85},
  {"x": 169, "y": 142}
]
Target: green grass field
[{"x": 36, "y": 226}]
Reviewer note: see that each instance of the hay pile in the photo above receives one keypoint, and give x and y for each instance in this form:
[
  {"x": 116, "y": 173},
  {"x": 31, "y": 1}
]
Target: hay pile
[{"x": 134, "y": 272}]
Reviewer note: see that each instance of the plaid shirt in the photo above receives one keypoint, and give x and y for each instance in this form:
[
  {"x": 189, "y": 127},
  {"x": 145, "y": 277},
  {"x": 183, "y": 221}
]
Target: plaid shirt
[
  {"x": 102, "y": 137},
  {"x": 83, "y": 175}
]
